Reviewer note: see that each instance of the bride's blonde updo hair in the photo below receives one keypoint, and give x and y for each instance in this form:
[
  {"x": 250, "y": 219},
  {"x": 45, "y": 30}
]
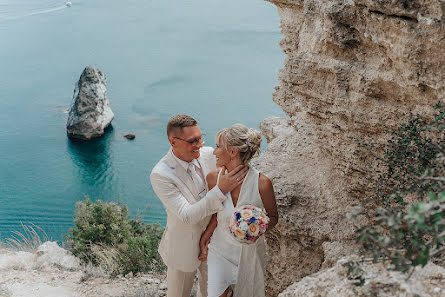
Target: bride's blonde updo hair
[{"x": 246, "y": 140}]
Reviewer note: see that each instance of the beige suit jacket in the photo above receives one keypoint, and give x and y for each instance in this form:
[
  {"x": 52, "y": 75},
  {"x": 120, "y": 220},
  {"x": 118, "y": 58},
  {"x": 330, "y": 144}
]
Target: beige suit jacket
[{"x": 187, "y": 215}]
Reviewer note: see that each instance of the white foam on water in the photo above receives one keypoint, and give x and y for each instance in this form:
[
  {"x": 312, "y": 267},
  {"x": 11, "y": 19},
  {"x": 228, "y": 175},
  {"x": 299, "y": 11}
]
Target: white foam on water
[
  {"x": 46, "y": 11},
  {"x": 10, "y": 10}
]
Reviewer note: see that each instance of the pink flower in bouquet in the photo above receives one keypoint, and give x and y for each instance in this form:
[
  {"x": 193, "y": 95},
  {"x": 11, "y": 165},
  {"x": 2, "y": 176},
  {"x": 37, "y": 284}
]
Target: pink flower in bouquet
[
  {"x": 264, "y": 218},
  {"x": 246, "y": 214},
  {"x": 248, "y": 223},
  {"x": 254, "y": 230},
  {"x": 239, "y": 233},
  {"x": 263, "y": 226}
]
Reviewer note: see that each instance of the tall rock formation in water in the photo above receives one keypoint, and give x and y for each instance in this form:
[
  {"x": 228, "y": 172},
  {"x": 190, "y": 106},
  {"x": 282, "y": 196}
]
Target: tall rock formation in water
[
  {"x": 353, "y": 69},
  {"x": 90, "y": 113}
]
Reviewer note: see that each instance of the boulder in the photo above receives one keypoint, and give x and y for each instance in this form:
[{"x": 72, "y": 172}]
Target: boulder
[
  {"x": 16, "y": 260},
  {"x": 50, "y": 253},
  {"x": 130, "y": 136},
  {"x": 377, "y": 282},
  {"x": 90, "y": 113}
]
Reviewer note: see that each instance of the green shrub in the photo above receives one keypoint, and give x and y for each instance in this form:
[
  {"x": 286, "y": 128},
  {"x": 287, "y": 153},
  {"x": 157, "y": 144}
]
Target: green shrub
[
  {"x": 403, "y": 222},
  {"x": 141, "y": 251},
  {"x": 104, "y": 236},
  {"x": 410, "y": 151}
]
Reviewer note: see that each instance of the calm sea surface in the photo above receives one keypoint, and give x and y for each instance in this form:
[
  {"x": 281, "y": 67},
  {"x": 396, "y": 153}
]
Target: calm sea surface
[{"x": 215, "y": 60}]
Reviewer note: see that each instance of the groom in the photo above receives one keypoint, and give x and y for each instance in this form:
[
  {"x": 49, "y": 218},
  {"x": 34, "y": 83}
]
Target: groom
[{"x": 178, "y": 179}]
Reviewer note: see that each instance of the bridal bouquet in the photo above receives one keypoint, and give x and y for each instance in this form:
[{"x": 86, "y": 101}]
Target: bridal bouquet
[{"x": 248, "y": 223}]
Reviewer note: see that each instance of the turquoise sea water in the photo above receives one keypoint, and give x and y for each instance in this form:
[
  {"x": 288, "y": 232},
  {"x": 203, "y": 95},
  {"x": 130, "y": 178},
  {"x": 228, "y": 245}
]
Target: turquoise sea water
[{"x": 215, "y": 60}]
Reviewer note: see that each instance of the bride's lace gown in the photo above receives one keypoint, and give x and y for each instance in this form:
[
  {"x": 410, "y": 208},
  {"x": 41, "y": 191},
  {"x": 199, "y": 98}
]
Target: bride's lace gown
[{"x": 231, "y": 262}]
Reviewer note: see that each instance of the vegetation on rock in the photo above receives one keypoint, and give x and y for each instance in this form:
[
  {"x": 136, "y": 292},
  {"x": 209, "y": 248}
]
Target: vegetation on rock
[
  {"x": 403, "y": 222},
  {"x": 104, "y": 236}
]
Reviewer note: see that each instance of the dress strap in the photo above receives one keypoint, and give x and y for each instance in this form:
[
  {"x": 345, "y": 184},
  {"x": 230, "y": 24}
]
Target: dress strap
[{"x": 219, "y": 173}]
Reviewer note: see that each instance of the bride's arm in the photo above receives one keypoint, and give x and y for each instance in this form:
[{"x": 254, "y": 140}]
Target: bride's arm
[
  {"x": 205, "y": 237},
  {"x": 268, "y": 197}
]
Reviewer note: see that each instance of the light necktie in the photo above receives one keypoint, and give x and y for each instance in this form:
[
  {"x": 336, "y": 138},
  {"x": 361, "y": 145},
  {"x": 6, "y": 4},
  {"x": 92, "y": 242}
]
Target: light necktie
[{"x": 197, "y": 180}]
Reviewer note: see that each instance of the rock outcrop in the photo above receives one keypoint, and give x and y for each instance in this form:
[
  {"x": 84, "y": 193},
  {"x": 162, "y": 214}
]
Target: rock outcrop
[
  {"x": 353, "y": 68},
  {"x": 378, "y": 282},
  {"x": 130, "y": 136},
  {"x": 90, "y": 113},
  {"x": 50, "y": 253},
  {"x": 47, "y": 254},
  {"x": 51, "y": 271}
]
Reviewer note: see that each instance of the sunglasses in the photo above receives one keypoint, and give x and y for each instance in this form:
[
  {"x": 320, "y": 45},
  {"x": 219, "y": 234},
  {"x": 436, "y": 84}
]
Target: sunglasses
[{"x": 194, "y": 141}]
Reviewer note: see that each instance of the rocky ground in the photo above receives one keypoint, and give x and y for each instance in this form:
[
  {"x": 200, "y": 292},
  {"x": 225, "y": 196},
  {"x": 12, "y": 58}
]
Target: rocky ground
[
  {"x": 377, "y": 282},
  {"x": 51, "y": 271}
]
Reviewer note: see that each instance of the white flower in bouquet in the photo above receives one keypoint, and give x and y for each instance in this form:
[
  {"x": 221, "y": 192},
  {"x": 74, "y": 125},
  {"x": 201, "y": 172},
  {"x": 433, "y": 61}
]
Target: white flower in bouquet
[{"x": 248, "y": 223}]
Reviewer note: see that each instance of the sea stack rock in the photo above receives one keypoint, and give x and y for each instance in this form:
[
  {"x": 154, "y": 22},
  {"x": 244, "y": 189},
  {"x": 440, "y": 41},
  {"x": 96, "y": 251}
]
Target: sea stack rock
[{"x": 90, "y": 112}]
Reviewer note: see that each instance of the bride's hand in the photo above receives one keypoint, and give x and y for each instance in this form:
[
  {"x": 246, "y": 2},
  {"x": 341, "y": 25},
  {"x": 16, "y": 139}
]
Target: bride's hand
[
  {"x": 204, "y": 247},
  {"x": 205, "y": 238}
]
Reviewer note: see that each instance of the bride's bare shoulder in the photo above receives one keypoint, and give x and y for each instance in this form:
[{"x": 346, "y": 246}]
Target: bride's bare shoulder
[
  {"x": 211, "y": 178},
  {"x": 265, "y": 184}
]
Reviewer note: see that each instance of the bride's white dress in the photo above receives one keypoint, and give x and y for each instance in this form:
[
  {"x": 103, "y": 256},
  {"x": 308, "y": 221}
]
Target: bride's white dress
[{"x": 231, "y": 262}]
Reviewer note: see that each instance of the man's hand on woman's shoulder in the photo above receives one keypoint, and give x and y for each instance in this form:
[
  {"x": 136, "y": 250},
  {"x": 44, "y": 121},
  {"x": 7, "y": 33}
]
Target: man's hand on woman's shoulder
[{"x": 229, "y": 181}]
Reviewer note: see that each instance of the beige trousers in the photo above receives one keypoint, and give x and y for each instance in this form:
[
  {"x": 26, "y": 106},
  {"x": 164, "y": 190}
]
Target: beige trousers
[{"x": 180, "y": 283}]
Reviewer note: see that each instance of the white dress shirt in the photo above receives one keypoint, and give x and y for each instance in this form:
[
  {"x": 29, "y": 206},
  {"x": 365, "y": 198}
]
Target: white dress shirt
[{"x": 201, "y": 181}]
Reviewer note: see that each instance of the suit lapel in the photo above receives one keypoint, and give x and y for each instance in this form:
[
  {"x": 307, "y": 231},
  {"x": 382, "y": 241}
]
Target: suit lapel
[
  {"x": 205, "y": 168},
  {"x": 183, "y": 176}
]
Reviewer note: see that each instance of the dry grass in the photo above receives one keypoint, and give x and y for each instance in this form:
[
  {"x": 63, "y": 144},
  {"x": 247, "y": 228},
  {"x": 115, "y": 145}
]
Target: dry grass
[
  {"x": 152, "y": 291},
  {"x": 28, "y": 240},
  {"x": 107, "y": 257},
  {"x": 92, "y": 271},
  {"x": 2, "y": 245}
]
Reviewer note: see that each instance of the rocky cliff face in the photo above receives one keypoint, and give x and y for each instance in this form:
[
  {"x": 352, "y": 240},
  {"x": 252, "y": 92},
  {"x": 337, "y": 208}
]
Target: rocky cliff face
[
  {"x": 428, "y": 281},
  {"x": 353, "y": 69}
]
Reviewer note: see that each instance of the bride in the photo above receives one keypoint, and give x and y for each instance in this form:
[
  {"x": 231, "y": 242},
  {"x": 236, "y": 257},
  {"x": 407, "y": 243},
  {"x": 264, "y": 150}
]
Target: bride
[{"x": 235, "y": 266}]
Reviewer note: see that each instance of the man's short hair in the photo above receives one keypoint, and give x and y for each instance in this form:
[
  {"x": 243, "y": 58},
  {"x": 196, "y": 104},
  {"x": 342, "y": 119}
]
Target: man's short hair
[{"x": 178, "y": 122}]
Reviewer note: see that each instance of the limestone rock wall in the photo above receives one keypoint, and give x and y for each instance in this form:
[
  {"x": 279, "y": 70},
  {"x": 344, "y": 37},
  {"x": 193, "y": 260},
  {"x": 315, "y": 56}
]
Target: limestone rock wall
[
  {"x": 379, "y": 282},
  {"x": 353, "y": 68}
]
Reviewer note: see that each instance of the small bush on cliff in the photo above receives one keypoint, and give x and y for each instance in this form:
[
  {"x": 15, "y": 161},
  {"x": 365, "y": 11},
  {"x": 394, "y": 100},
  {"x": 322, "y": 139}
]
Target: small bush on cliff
[
  {"x": 407, "y": 209},
  {"x": 410, "y": 151},
  {"x": 104, "y": 236}
]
